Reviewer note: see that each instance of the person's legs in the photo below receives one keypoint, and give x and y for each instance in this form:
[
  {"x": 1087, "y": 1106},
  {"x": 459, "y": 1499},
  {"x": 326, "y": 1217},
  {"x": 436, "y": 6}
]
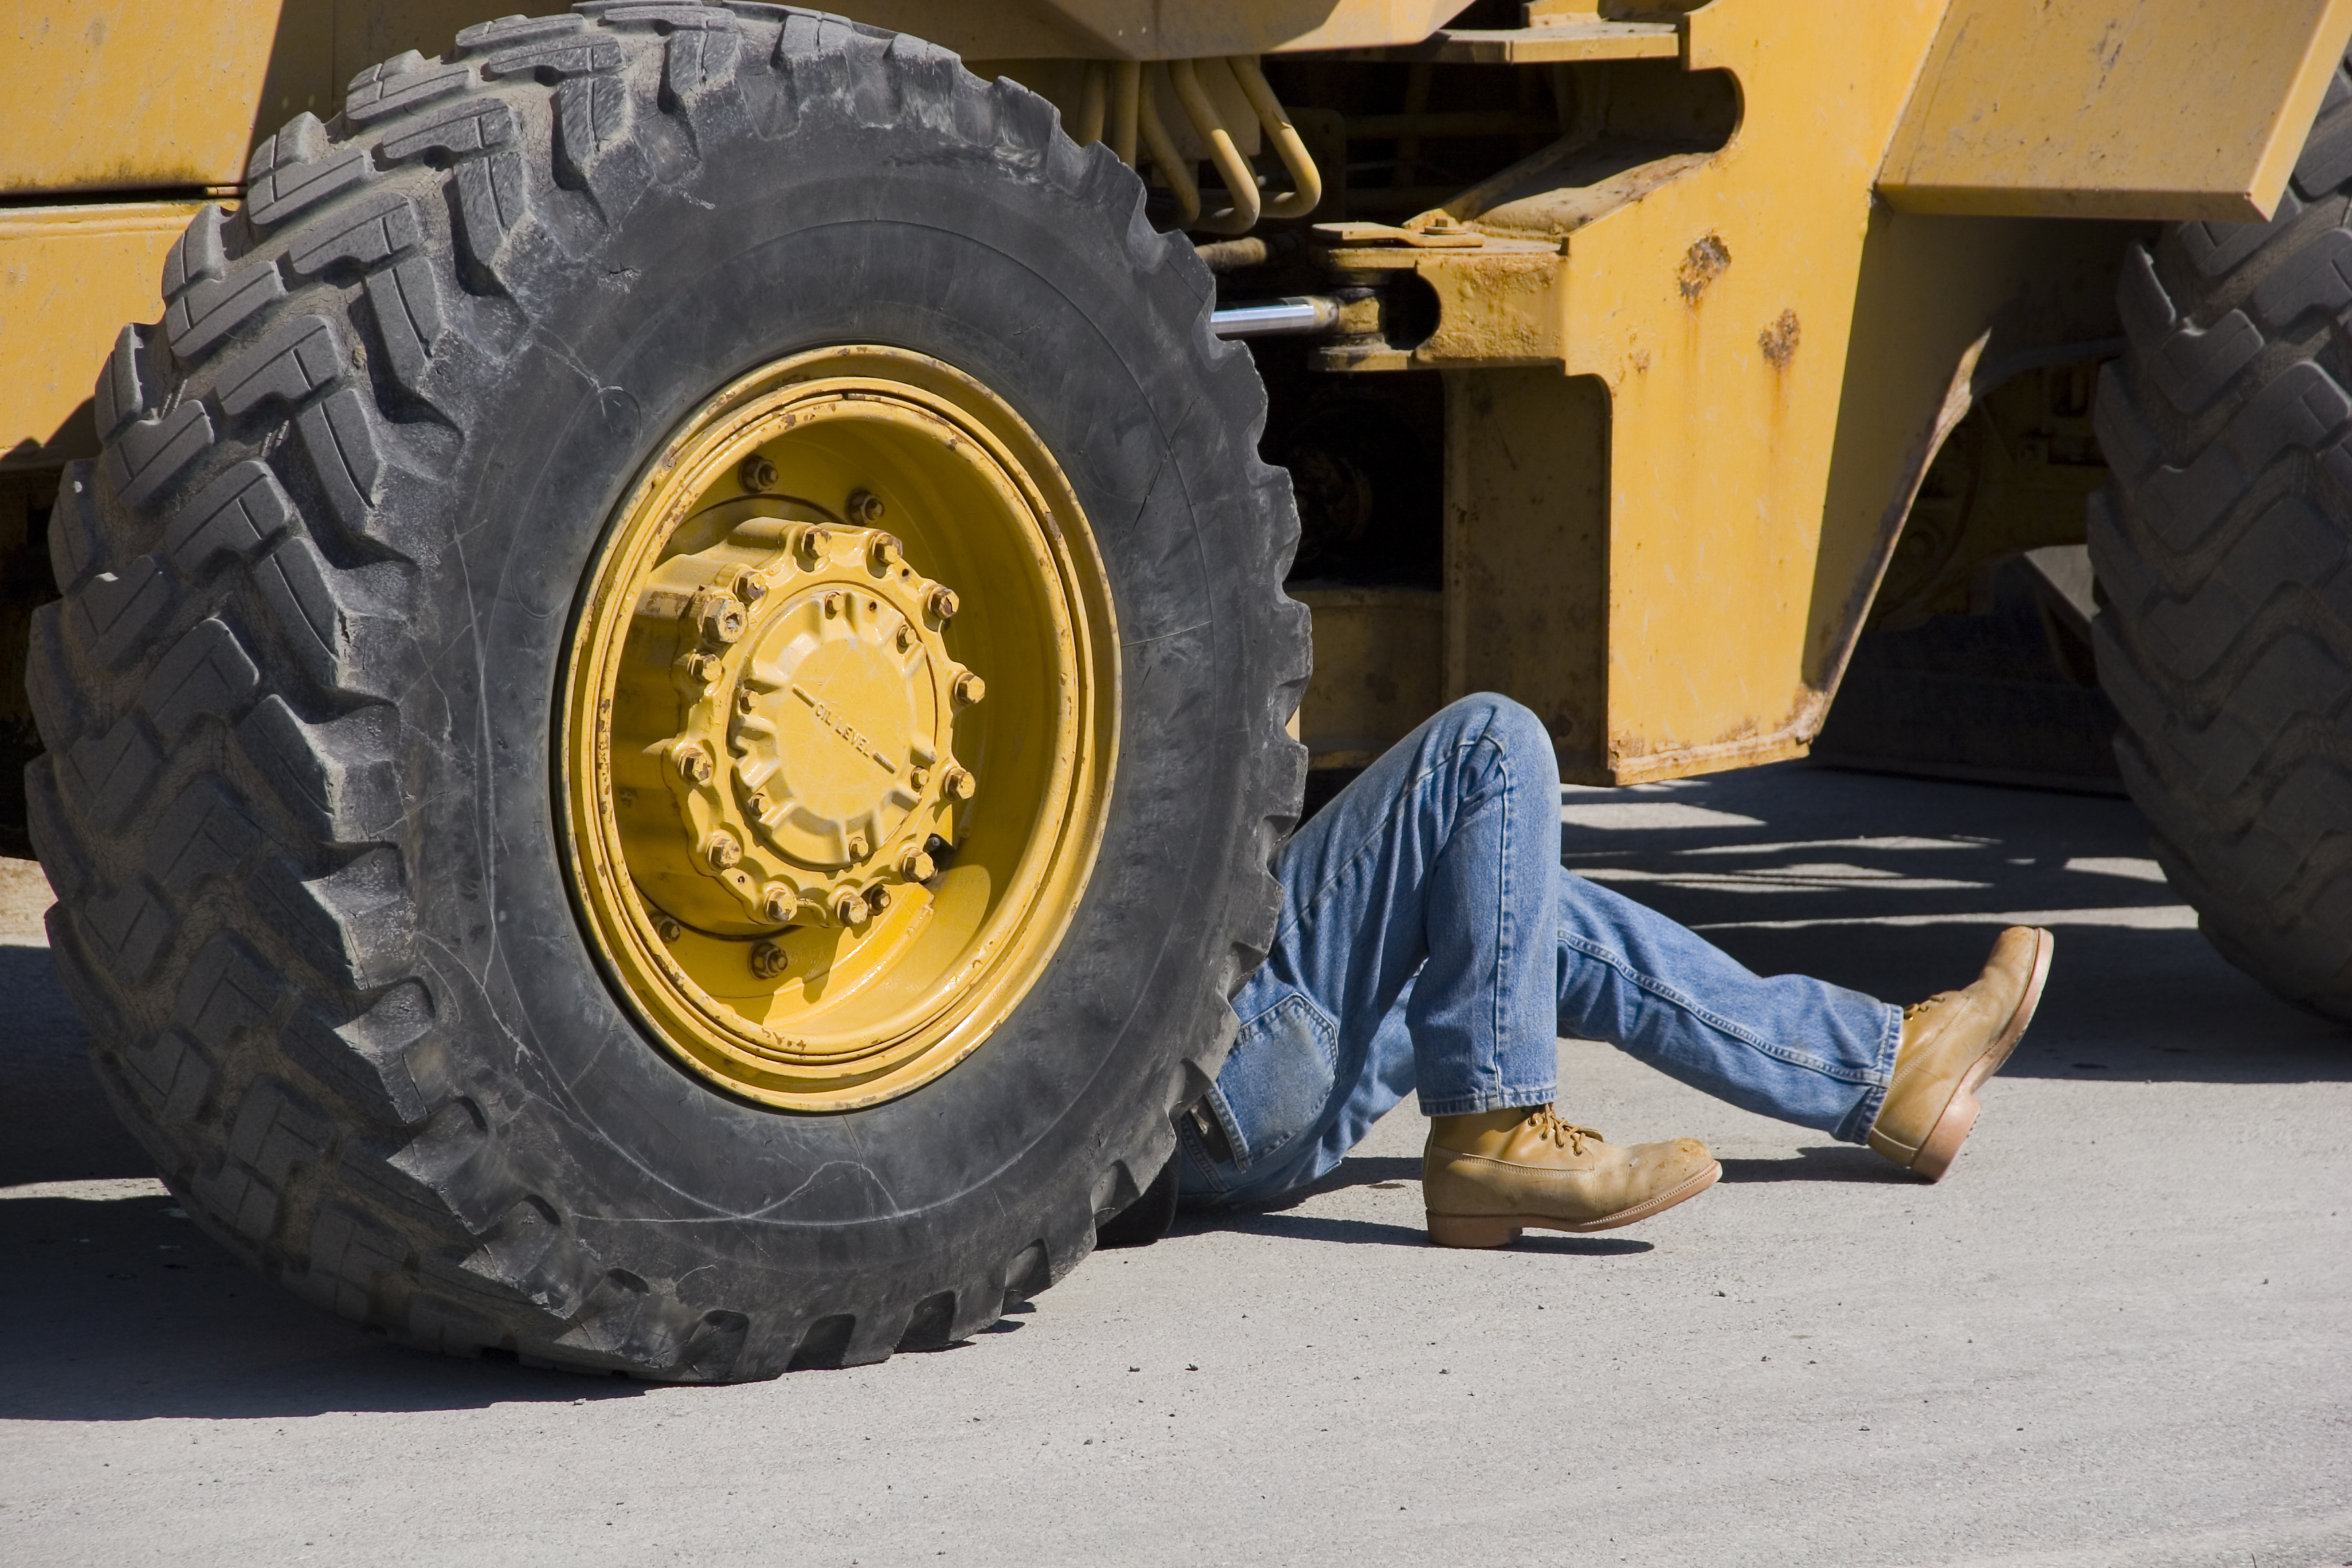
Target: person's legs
[
  {"x": 1415, "y": 948},
  {"x": 1431, "y": 939},
  {"x": 1787, "y": 1045}
]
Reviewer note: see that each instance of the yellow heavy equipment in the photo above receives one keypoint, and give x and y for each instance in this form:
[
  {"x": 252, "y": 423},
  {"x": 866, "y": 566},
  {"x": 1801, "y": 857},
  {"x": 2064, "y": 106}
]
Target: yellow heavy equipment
[{"x": 661, "y": 675}]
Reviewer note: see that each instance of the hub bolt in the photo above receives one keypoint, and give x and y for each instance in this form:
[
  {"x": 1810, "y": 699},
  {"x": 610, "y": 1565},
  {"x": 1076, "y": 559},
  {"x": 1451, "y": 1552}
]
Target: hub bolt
[
  {"x": 751, "y": 588},
  {"x": 849, "y": 909},
  {"x": 970, "y": 688},
  {"x": 756, "y": 473},
  {"x": 942, "y": 603},
  {"x": 857, "y": 847},
  {"x": 906, "y": 637},
  {"x": 916, "y": 866},
  {"x": 768, "y": 960},
  {"x": 693, "y": 764},
  {"x": 721, "y": 850},
  {"x": 777, "y": 903},
  {"x": 743, "y": 699},
  {"x": 833, "y": 603},
  {"x": 722, "y": 617},
  {"x": 702, "y": 666},
  {"x": 960, "y": 785},
  {"x": 878, "y": 899},
  {"x": 666, "y": 928},
  {"x": 814, "y": 541},
  {"x": 864, "y": 509}
]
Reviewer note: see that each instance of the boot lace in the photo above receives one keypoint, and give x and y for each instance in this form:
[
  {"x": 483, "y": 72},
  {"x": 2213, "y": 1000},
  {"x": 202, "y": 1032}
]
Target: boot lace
[
  {"x": 1563, "y": 1134},
  {"x": 1937, "y": 1000}
]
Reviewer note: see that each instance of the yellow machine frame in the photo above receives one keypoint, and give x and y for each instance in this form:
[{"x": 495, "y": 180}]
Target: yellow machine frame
[{"x": 1688, "y": 401}]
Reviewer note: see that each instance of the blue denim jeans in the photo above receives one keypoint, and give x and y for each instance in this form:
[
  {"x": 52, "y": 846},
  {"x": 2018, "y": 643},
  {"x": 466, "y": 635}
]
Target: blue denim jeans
[{"x": 1432, "y": 941}]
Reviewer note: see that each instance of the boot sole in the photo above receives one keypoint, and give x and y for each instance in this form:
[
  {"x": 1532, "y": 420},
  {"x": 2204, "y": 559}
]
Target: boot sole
[
  {"x": 1478, "y": 1230},
  {"x": 1942, "y": 1145}
]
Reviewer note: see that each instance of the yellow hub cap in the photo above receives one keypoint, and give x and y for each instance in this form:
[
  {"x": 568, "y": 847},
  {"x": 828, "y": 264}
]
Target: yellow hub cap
[{"x": 840, "y": 718}]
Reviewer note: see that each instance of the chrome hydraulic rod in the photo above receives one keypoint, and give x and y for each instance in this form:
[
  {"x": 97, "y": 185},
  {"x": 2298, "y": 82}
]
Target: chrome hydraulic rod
[{"x": 1295, "y": 315}]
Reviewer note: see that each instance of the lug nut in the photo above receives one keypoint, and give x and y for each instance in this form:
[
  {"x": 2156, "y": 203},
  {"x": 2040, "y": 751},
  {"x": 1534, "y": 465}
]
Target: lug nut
[
  {"x": 702, "y": 666},
  {"x": 877, "y": 898},
  {"x": 906, "y": 637},
  {"x": 760, "y": 803},
  {"x": 849, "y": 909},
  {"x": 919, "y": 777},
  {"x": 960, "y": 785},
  {"x": 756, "y": 473},
  {"x": 693, "y": 764},
  {"x": 942, "y": 603},
  {"x": 857, "y": 847},
  {"x": 777, "y": 903},
  {"x": 743, "y": 699},
  {"x": 814, "y": 541},
  {"x": 970, "y": 688},
  {"x": 832, "y": 604},
  {"x": 768, "y": 960},
  {"x": 666, "y": 928},
  {"x": 916, "y": 866},
  {"x": 721, "y": 850},
  {"x": 751, "y": 587},
  {"x": 864, "y": 509},
  {"x": 885, "y": 551},
  {"x": 720, "y": 616}
]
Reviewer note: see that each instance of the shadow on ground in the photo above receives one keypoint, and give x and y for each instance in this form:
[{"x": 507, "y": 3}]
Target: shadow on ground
[
  {"x": 1895, "y": 888},
  {"x": 120, "y": 1310},
  {"x": 54, "y": 1122}
]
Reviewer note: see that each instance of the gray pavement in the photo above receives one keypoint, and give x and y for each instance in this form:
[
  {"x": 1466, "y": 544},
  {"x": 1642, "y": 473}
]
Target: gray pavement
[{"x": 2120, "y": 1332}]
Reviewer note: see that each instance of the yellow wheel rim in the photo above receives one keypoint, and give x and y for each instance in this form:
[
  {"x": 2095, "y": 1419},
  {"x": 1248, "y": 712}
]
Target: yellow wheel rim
[{"x": 839, "y": 724}]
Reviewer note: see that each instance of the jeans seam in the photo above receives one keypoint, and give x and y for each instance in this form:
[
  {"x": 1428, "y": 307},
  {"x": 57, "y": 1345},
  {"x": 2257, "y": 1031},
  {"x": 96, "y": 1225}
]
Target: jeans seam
[
  {"x": 1873, "y": 1076},
  {"x": 1502, "y": 913},
  {"x": 1502, "y": 1099},
  {"x": 1231, "y": 1126},
  {"x": 1855, "y": 1128}
]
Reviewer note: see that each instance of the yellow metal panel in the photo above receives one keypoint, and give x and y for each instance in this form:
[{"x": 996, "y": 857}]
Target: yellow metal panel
[
  {"x": 100, "y": 95},
  {"x": 1156, "y": 29},
  {"x": 1717, "y": 307},
  {"x": 1945, "y": 310},
  {"x": 69, "y": 278},
  {"x": 120, "y": 94},
  {"x": 1379, "y": 670},
  {"x": 1527, "y": 551},
  {"x": 1549, "y": 43},
  {"x": 1709, "y": 299},
  {"x": 2147, "y": 109}
]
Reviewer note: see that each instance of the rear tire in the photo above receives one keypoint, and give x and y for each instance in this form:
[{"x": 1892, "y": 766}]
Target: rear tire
[
  {"x": 2221, "y": 548},
  {"x": 302, "y": 802}
]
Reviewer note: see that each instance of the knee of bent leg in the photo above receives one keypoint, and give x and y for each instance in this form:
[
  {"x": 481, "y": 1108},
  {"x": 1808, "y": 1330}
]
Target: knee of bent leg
[{"x": 1514, "y": 728}]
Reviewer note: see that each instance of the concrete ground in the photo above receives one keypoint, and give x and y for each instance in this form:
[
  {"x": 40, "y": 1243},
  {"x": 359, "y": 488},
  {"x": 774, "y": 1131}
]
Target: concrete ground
[{"x": 2121, "y": 1332}]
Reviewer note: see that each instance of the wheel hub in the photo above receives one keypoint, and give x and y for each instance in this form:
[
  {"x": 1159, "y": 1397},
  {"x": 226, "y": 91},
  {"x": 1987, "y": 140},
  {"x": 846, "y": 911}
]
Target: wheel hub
[
  {"x": 814, "y": 769},
  {"x": 777, "y": 728}
]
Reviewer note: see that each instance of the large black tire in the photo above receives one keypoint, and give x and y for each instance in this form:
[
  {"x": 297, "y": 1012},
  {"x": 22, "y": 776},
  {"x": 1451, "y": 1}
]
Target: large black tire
[
  {"x": 298, "y": 803},
  {"x": 2221, "y": 548}
]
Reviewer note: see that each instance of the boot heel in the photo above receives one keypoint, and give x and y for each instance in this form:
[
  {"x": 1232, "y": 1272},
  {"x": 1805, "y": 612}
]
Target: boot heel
[
  {"x": 1951, "y": 1130},
  {"x": 1472, "y": 1230}
]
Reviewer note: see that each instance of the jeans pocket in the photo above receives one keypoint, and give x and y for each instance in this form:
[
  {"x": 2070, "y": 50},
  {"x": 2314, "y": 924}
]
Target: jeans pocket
[{"x": 1278, "y": 1081}]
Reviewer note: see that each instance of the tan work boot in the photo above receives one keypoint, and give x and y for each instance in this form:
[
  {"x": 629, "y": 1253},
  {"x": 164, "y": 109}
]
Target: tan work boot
[
  {"x": 1486, "y": 1177},
  {"x": 1951, "y": 1043}
]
